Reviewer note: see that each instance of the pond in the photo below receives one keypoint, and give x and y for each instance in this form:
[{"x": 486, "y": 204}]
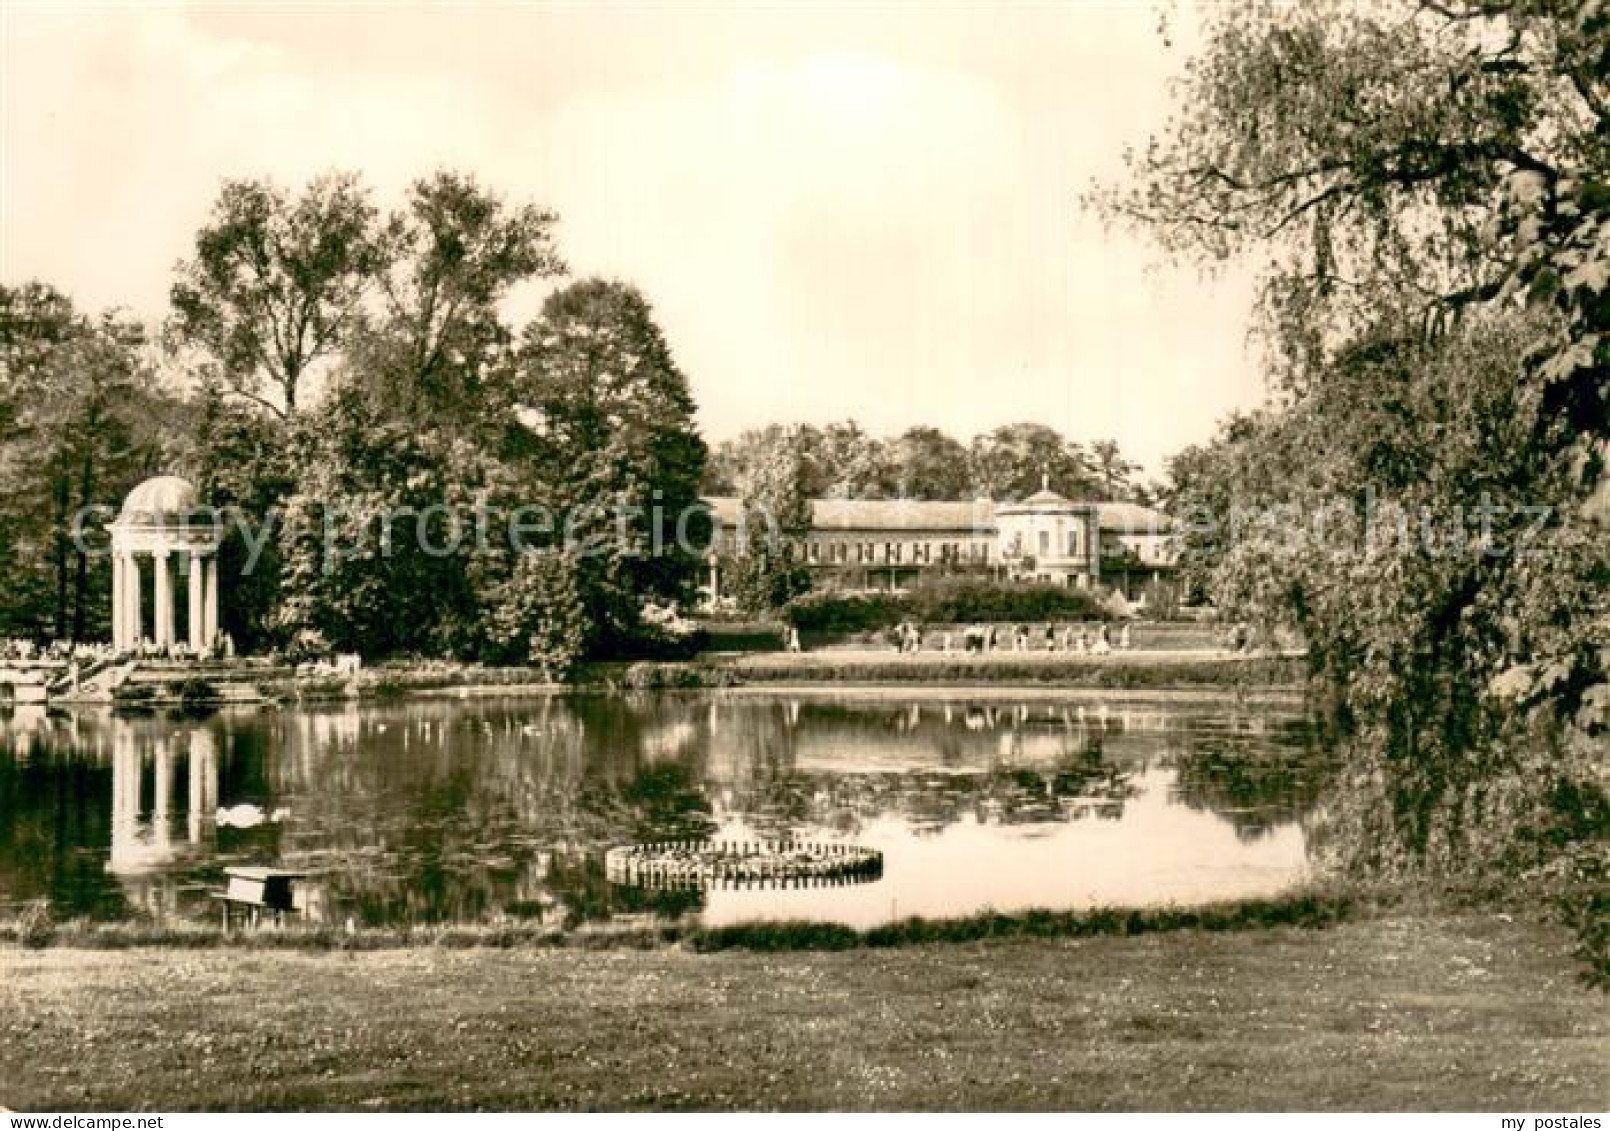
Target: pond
[{"x": 478, "y": 810}]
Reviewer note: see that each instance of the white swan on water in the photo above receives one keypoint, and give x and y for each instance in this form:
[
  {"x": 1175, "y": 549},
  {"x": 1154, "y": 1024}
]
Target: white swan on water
[{"x": 249, "y": 816}]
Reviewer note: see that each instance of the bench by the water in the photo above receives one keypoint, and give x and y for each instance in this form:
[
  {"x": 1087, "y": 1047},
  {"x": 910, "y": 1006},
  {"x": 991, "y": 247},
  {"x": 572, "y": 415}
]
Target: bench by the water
[{"x": 256, "y": 891}]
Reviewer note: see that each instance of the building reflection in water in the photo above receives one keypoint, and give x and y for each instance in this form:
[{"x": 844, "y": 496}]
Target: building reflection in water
[
  {"x": 145, "y": 846},
  {"x": 436, "y": 811}
]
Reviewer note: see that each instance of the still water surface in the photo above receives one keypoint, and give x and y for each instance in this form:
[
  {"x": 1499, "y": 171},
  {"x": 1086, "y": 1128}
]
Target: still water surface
[{"x": 485, "y": 810}]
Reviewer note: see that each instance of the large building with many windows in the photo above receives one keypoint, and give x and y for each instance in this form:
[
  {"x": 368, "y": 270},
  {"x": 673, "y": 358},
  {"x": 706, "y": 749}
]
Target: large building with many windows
[{"x": 890, "y": 544}]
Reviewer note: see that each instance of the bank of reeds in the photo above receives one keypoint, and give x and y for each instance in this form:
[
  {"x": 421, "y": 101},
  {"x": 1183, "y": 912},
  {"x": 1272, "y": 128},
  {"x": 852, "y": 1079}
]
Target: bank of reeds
[
  {"x": 31, "y": 933},
  {"x": 1311, "y": 909}
]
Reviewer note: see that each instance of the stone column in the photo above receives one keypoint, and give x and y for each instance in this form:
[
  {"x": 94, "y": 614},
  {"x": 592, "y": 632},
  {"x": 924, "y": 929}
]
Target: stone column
[
  {"x": 131, "y": 601},
  {"x": 119, "y": 617},
  {"x": 197, "y": 635},
  {"x": 209, "y": 614},
  {"x": 162, "y": 614}
]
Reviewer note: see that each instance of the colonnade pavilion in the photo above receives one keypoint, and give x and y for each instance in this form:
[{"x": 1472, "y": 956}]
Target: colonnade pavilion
[{"x": 159, "y": 533}]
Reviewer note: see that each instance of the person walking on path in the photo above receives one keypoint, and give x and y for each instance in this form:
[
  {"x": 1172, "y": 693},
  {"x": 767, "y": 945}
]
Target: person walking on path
[{"x": 1103, "y": 641}]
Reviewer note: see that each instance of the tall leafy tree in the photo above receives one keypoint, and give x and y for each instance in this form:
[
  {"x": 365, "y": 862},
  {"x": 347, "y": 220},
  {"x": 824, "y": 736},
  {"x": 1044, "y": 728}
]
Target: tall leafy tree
[
  {"x": 775, "y": 509},
  {"x": 1014, "y": 460},
  {"x": 244, "y": 465},
  {"x": 603, "y": 432},
  {"x": 1414, "y": 172},
  {"x": 846, "y": 462},
  {"x": 730, "y": 460},
  {"x": 435, "y": 346},
  {"x": 1112, "y": 473},
  {"x": 277, "y": 283},
  {"x": 453, "y": 254},
  {"x": 925, "y": 463},
  {"x": 1206, "y": 482},
  {"x": 375, "y": 540},
  {"x": 83, "y": 408}
]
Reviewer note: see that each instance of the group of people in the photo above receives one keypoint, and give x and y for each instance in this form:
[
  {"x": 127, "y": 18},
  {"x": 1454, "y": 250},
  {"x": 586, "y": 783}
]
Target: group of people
[
  {"x": 344, "y": 664},
  {"x": 1078, "y": 639},
  {"x": 223, "y": 649},
  {"x": 28, "y": 651}
]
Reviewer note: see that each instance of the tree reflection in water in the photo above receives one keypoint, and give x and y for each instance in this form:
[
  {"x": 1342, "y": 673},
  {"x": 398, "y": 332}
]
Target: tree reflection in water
[
  {"x": 783, "y": 802},
  {"x": 432, "y": 811},
  {"x": 1256, "y": 786}
]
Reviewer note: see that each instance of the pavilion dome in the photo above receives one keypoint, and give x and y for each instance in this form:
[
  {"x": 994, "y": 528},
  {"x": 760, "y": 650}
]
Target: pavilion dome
[{"x": 158, "y": 500}]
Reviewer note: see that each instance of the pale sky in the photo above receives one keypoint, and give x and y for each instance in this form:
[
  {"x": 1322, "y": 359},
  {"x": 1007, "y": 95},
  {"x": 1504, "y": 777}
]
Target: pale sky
[{"x": 837, "y": 211}]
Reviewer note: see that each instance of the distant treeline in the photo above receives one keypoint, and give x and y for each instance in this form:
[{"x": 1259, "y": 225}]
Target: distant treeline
[{"x": 843, "y": 461}]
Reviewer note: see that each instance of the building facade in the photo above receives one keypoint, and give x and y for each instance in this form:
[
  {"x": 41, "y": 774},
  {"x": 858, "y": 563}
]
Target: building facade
[{"x": 891, "y": 544}]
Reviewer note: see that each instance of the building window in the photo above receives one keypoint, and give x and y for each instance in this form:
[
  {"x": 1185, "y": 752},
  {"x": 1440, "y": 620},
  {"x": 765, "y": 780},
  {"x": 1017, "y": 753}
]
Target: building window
[
  {"x": 1073, "y": 543},
  {"x": 1045, "y": 543}
]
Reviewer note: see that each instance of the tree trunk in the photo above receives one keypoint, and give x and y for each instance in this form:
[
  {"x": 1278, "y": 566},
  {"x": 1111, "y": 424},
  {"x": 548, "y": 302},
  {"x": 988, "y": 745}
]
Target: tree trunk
[
  {"x": 58, "y": 554},
  {"x": 86, "y": 493}
]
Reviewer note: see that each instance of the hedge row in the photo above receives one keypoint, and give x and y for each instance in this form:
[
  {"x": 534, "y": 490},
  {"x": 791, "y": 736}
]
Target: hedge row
[{"x": 943, "y": 601}]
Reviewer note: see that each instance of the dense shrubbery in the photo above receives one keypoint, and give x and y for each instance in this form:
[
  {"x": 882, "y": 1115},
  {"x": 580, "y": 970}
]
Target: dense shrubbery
[
  {"x": 957, "y": 600},
  {"x": 330, "y": 687},
  {"x": 741, "y": 636},
  {"x": 195, "y": 694},
  {"x": 1589, "y": 914},
  {"x": 843, "y": 612},
  {"x": 36, "y": 927},
  {"x": 133, "y": 697},
  {"x": 1461, "y": 376},
  {"x": 650, "y": 676}
]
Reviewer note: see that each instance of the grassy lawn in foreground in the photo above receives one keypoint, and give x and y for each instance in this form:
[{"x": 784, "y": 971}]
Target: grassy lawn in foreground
[{"x": 1408, "y": 1012}]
